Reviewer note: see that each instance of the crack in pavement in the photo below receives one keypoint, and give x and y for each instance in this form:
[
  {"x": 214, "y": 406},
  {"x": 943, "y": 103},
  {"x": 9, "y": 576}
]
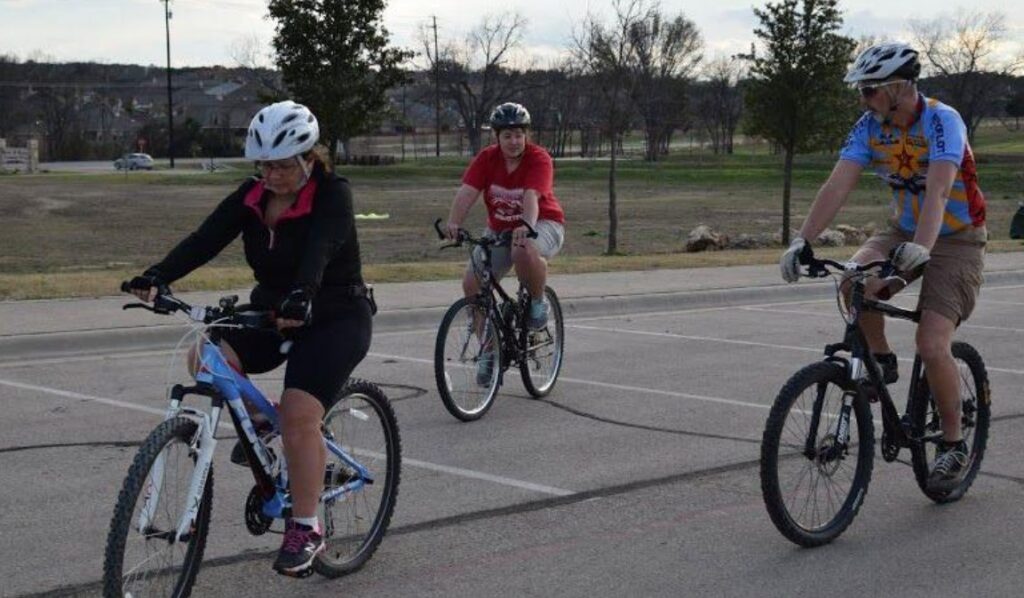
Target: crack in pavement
[
  {"x": 454, "y": 520},
  {"x": 519, "y": 508}
]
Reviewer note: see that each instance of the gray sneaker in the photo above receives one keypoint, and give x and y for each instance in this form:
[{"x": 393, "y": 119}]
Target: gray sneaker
[
  {"x": 485, "y": 368},
  {"x": 949, "y": 467}
]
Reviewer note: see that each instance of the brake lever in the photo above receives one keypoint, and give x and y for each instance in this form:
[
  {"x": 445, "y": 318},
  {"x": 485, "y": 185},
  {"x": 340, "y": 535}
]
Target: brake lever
[{"x": 137, "y": 306}]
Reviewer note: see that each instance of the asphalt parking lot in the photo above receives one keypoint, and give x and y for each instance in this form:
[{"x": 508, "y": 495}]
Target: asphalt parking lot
[{"x": 637, "y": 476}]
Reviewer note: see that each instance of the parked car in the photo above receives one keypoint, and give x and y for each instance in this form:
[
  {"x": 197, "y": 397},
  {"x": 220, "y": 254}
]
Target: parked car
[{"x": 134, "y": 162}]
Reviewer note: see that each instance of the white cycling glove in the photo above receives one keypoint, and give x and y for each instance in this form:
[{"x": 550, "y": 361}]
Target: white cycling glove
[
  {"x": 908, "y": 256},
  {"x": 789, "y": 264}
]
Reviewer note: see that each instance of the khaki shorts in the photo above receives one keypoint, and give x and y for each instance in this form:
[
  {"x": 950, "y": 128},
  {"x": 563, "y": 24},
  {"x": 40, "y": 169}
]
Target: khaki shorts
[
  {"x": 550, "y": 236},
  {"x": 953, "y": 276}
]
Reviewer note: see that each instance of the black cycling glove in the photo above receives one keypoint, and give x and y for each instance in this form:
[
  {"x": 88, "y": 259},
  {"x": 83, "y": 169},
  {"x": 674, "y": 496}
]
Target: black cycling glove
[
  {"x": 298, "y": 305},
  {"x": 148, "y": 280}
]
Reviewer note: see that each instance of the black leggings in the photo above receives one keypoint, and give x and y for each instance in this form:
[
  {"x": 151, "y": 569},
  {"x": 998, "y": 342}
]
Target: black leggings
[{"x": 322, "y": 355}]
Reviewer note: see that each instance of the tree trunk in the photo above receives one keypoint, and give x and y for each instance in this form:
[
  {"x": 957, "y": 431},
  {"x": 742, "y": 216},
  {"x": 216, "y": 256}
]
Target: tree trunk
[
  {"x": 474, "y": 140},
  {"x": 652, "y": 142},
  {"x": 787, "y": 185},
  {"x": 613, "y": 216}
]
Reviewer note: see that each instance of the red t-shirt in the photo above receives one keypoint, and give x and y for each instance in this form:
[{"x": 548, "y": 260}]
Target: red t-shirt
[{"x": 504, "y": 191}]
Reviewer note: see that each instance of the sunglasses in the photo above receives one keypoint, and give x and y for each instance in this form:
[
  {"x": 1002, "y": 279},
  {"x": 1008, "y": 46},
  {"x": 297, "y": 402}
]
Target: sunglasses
[
  {"x": 869, "y": 91},
  {"x": 283, "y": 166}
]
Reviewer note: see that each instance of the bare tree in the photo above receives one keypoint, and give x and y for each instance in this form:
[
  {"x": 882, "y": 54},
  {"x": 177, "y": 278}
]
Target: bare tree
[
  {"x": 256, "y": 59},
  {"x": 963, "y": 53},
  {"x": 720, "y": 102},
  {"x": 663, "y": 55},
  {"x": 604, "y": 53},
  {"x": 58, "y": 113},
  {"x": 477, "y": 74},
  {"x": 553, "y": 98}
]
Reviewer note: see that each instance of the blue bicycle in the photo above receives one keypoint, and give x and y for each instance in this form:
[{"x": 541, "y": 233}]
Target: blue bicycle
[{"x": 162, "y": 517}]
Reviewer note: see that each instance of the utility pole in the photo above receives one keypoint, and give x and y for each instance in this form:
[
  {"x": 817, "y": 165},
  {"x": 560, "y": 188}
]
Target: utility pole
[
  {"x": 437, "y": 95},
  {"x": 170, "y": 100},
  {"x": 405, "y": 122}
]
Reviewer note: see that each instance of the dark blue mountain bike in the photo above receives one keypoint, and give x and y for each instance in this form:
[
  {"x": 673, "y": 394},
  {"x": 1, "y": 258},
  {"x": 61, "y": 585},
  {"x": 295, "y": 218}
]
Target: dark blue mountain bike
[
  {"x": 162, "y": 517},
  {"x": 482, "y": 336}
]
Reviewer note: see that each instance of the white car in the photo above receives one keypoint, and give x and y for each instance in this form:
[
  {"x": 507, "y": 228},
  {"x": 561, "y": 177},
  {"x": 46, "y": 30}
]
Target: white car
[{"x": 134, "y": 162}]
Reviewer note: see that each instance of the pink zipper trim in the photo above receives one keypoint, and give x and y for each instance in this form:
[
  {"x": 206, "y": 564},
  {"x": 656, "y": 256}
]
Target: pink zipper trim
[{"x": 303, "y": 204}]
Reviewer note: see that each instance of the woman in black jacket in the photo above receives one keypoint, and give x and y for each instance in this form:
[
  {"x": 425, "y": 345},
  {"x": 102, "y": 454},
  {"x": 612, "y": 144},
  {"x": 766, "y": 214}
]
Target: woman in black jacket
[{"x": 298, "y": 228}]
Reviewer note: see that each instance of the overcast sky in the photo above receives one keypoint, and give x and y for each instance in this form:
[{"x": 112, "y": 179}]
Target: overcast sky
[{"x": 203, "y": 31}]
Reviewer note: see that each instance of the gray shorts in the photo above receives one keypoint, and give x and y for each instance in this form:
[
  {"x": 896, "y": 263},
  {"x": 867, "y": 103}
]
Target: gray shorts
[{"x": 550, "y": 236}]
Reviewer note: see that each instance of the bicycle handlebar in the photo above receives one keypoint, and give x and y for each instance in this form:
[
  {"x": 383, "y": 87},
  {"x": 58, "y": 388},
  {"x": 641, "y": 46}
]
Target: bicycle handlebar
[
  {"x": 464, "y": 236},
  {"x": 165, "y": 303},
  {"x": 894, "y": 281},
  {"x": 819, "y": 268}
]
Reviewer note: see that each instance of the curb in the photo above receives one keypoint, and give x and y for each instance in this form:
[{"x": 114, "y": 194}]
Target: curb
[{"x": 144, "y": 338}]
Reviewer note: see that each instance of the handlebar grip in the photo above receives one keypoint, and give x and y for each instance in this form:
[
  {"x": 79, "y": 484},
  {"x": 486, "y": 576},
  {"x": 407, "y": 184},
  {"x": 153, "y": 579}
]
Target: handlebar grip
[
  {"x": 437, "y": 227},
  {"x": 126, "y": 287}
]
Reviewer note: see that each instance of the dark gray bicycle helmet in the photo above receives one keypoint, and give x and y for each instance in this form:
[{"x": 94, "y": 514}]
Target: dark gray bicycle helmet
[{"x": 509, "y": 115}]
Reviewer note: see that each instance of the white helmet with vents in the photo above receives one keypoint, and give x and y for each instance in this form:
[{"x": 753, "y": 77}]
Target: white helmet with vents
[
  {"x": 281, "y": 130},
  {"x": 882, "y": 61}
]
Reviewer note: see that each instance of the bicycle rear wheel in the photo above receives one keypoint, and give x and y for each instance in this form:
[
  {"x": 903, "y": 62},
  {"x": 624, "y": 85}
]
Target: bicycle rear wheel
[
  {"x": 467, "y": 360},
  {"x": 150, "y": 562},
  {"x": 543, "y": 349},
  {"x": 361, "y": 421},
  {"x": 810, "y": 488},
  {"x": 974, "y": 422}
]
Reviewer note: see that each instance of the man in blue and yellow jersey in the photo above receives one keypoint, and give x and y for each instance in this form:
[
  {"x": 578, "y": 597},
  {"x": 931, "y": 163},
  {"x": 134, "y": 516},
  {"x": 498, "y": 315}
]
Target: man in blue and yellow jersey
[{"x": 918, "y": 146}]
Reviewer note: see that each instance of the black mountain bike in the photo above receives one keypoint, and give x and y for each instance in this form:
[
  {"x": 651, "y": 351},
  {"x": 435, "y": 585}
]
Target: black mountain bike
[
  {"x": 817, "y": 451},
  {"x": 481, "y": 337}
]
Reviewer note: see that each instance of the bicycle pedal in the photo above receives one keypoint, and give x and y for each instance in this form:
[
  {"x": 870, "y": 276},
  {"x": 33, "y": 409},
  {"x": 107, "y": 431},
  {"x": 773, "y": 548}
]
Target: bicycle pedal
[{"x": 297, "y": 574}]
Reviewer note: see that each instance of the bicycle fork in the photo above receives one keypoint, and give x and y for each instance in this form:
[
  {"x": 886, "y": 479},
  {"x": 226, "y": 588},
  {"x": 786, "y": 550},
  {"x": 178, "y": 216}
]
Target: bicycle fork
[{"x": 207, "y": 443}]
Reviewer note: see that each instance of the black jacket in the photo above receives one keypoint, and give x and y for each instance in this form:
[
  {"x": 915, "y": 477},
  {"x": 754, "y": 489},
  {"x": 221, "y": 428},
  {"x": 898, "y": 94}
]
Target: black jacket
[{"x": 312, "y": 246}]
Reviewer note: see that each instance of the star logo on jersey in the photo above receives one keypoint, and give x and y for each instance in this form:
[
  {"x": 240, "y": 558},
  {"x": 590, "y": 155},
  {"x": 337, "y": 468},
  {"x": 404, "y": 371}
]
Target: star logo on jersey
[{"x": 905, "y": 161}]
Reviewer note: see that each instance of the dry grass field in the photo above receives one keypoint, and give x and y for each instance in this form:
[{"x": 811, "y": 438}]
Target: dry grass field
[{"x": 75, "y": 234}]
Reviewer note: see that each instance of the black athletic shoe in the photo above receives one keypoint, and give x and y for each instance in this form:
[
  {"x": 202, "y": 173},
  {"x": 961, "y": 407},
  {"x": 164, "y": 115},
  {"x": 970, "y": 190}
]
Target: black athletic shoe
[
  {"x": 949, "y": 467},
  {"x": 298, "y": 551},
  {"x": 889, "y": 365}
]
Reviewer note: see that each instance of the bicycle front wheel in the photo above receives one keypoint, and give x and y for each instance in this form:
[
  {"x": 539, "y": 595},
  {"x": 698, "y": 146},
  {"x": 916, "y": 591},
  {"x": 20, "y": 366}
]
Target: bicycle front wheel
[
  {"x": 974, "y": 421},
  {"x": 813, "y": 482},
  {"x": 143, "y": 556},
  {"x": 362, "y": 423},
  {"x": 543, "y": 349},
  {"x": 467, "y": 360}
]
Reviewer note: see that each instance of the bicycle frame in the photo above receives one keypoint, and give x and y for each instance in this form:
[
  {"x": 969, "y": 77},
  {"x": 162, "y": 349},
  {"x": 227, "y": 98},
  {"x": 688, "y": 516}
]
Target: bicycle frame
[
  {"x": 490, "y": 296},
  {"x": 864, "y": 374},
  {"x": 219, "y": 381}
]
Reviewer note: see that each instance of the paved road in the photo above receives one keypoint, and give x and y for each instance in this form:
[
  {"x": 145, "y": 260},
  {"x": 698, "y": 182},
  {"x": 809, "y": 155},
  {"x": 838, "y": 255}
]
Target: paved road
[
  {"x": 182, "y": 166},
  {"x": 638, "y": 476}
]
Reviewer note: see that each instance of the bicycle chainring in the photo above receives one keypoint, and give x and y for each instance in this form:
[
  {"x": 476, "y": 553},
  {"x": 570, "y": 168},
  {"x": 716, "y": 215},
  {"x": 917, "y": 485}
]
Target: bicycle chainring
[
  {"x": 890, "y": 448},
  {"x": 255, "y": 521}
]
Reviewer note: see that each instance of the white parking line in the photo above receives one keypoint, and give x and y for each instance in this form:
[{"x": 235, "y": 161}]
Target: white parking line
[
  {"x": 456, "y": 471},
  {"x": 693, "y": 338},
  {"x": 641, "y": 389},
  {"x": 898, "y": 320},
  {"x": 748, "y": 343}
]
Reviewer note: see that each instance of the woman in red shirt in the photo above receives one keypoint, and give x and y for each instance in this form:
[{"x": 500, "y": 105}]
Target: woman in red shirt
[{"x": 516, "y": 178}]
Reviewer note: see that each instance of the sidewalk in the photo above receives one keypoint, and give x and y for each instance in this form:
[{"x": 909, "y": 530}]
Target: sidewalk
[{"x": 64, "y": 324}]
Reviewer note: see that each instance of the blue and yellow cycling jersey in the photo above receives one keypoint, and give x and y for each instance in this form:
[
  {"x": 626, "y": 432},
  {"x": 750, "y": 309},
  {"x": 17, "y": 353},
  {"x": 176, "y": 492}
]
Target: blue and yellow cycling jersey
[{"x": 900, "y": 156}]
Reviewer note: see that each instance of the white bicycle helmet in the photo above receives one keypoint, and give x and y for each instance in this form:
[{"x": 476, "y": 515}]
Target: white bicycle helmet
[
  {"x": 281, "y": 130},
  {"x": 881, "y": 61}
]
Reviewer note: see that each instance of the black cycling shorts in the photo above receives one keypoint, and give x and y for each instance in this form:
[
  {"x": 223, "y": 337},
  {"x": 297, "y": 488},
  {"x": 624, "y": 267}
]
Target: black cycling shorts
[{"x": 322, "y": 356}]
